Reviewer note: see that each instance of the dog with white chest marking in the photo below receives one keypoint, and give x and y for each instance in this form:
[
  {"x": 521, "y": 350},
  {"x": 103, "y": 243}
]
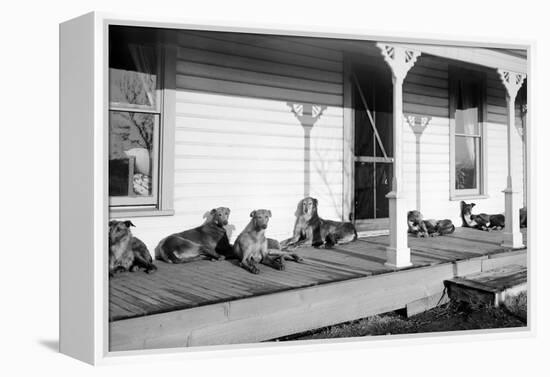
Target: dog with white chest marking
[
  {"x": 126, "y": 252},
  {"x": 480, "y": 221},
  {"x": 252, "y": 246}
]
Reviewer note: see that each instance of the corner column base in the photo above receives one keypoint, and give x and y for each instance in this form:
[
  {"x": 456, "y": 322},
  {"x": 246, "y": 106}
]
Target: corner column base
[
  {"x": 511, "y": 236},
  {"x": 512, "y": 240},
  {"x": 398, "y": 258}
]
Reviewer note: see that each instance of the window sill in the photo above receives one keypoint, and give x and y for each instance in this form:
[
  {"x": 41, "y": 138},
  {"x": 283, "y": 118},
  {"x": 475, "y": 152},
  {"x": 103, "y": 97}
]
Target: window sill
[
  {"x": 138, "y": 212},
  {"x": 468, "y": 197}
]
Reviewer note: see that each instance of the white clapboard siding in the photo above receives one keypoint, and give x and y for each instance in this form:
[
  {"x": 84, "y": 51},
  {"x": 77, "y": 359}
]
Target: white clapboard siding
[{"x": 238, "y": 142}]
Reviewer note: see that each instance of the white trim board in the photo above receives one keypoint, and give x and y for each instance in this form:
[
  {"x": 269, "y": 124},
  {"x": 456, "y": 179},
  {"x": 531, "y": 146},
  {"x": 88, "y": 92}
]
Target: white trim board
[{"x": 481, "y": 56}]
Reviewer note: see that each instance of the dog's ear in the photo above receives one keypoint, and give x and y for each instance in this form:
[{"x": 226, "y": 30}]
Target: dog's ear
[
  {"x": 462, "y": 203},
  {"x": 128, "y": 223},
  {"x": 269, "y": 212},
  {"x": 228, "y": 210},
  {"x": 213, "y": 211},
  {"x": 253, "y": 213},
  {"x": 112, "y": 222},
  {"x": 314, "y": 202},
  {"x": 473, "y": 205}
]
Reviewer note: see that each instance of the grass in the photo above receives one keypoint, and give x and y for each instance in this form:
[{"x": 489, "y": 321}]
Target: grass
[
  {"x": 452, "y": 316},
  {"x": 517, "y": 305}
]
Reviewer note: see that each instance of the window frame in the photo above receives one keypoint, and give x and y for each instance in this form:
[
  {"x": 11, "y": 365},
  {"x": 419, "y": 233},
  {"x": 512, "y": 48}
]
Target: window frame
[
  {"x": 164, "y": 135},
  {"x": 471, "y": 74}
]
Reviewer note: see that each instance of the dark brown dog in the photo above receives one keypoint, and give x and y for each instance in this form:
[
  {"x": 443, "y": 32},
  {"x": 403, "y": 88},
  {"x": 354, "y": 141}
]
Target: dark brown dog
[
  {"x": 252, "y": 246},
  {"x": 312, "y": 230},
  {"x": 424, "y": 228},
  {"x": 208, "y": 241},
  {"x": 439, "y": 227},
  {"x": 416, "y": 224},
  {"x": 480, "y": 221},
  {"x": 126, "y": 252},
  {"x": 523, "y": 217}
]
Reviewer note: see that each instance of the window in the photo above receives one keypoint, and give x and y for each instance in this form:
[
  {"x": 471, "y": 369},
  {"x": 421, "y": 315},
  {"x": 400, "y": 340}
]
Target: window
[
  {"x": 138, "y": 122},
  {"x": 467, "y": 150}
]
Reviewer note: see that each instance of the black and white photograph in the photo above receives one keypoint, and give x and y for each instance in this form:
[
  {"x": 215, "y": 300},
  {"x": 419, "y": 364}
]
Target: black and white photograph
[{"x": 267, "y": 187}]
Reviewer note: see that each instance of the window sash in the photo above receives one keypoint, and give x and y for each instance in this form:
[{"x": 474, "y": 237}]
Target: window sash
[
  {"x": 478, "y": 159},
  {"x": 151, "y": 200},
  {"x": 467, "y": 75}
]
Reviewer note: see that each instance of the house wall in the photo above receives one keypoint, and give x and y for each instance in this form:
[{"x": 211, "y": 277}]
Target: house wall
[
  {"x": 426, "y": 94},
  {"x": 238, "y": 142}
]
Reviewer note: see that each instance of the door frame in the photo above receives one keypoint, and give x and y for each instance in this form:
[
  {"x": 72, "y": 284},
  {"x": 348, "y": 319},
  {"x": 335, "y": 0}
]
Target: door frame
[{"x": 348, "y": 204}]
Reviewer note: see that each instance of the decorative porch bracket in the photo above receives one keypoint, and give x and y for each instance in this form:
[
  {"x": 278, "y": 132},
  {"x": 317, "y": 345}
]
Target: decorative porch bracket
[
  {"x": 512, "y": 237},
  {"x": 400, "y": 61}
]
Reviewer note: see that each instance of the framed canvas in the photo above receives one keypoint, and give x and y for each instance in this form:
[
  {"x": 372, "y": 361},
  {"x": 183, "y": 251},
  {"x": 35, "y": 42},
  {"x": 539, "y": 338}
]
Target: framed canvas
[{"x": 230, "y": 187}]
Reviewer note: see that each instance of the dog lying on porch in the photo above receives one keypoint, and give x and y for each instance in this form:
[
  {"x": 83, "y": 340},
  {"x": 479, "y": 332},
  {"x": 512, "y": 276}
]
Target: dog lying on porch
[
  {"x": 428, "y": 228},
  {"x": 126, "y": 252},
  {"x": 252, "y": 246},
  {"x": 312, "y": 230},
  {"x": 480, "y": 221},
  {"x": 208, "y": 241}
]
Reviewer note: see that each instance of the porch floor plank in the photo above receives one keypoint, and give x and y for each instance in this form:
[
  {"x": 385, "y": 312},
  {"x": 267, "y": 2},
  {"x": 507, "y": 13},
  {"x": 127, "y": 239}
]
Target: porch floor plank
[{"x": 176, "y": 287}]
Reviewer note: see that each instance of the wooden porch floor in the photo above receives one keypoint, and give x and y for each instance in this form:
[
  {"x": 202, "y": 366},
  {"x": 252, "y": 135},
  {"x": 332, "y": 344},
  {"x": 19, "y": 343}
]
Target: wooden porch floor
[{"x": 178, "y": 287}]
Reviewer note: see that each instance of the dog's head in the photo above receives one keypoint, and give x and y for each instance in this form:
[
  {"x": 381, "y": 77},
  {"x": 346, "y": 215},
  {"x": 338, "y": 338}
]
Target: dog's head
[
  {"x": 309, "y": 206},
  {"x": 220, "y": 216},
  {"x": 465, "y": 208},
  {"x": 260, "y": 218},
  {"x": 414, "y": 217},
  {"x": 118, "y": 230}
]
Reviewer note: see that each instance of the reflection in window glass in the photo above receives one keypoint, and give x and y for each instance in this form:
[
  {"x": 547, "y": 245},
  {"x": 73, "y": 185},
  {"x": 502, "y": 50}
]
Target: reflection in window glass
[
  {"x": 132, "y": 88},
  {"x": 131, "y": 153},
  {"x": 466, "y": 162},
  {"x": 466, "y": 122}
]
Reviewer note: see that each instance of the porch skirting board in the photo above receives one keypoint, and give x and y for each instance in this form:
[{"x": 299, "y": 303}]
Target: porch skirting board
[{"x": 274, "y": 315}]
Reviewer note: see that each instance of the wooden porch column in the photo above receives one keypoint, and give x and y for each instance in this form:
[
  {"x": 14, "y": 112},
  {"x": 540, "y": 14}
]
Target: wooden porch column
[
  {"x": 512, "y": 237},
  {"x": 400, "y": 61}
]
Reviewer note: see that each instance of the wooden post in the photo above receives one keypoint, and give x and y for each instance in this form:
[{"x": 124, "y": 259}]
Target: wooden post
[
  {"x": 400, "y": 61},
  {"x": 512, "y": 237}
]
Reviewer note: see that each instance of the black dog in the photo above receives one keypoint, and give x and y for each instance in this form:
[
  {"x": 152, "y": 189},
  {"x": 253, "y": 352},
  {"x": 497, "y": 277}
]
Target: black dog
[
  {"x": 126, "y": 252},
  {"x": 206, "y": 241},
  {"x": 480, "y": 221}
]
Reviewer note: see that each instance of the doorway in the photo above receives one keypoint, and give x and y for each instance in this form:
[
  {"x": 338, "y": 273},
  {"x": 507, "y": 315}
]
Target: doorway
[{"x": 372, "y": 101}]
